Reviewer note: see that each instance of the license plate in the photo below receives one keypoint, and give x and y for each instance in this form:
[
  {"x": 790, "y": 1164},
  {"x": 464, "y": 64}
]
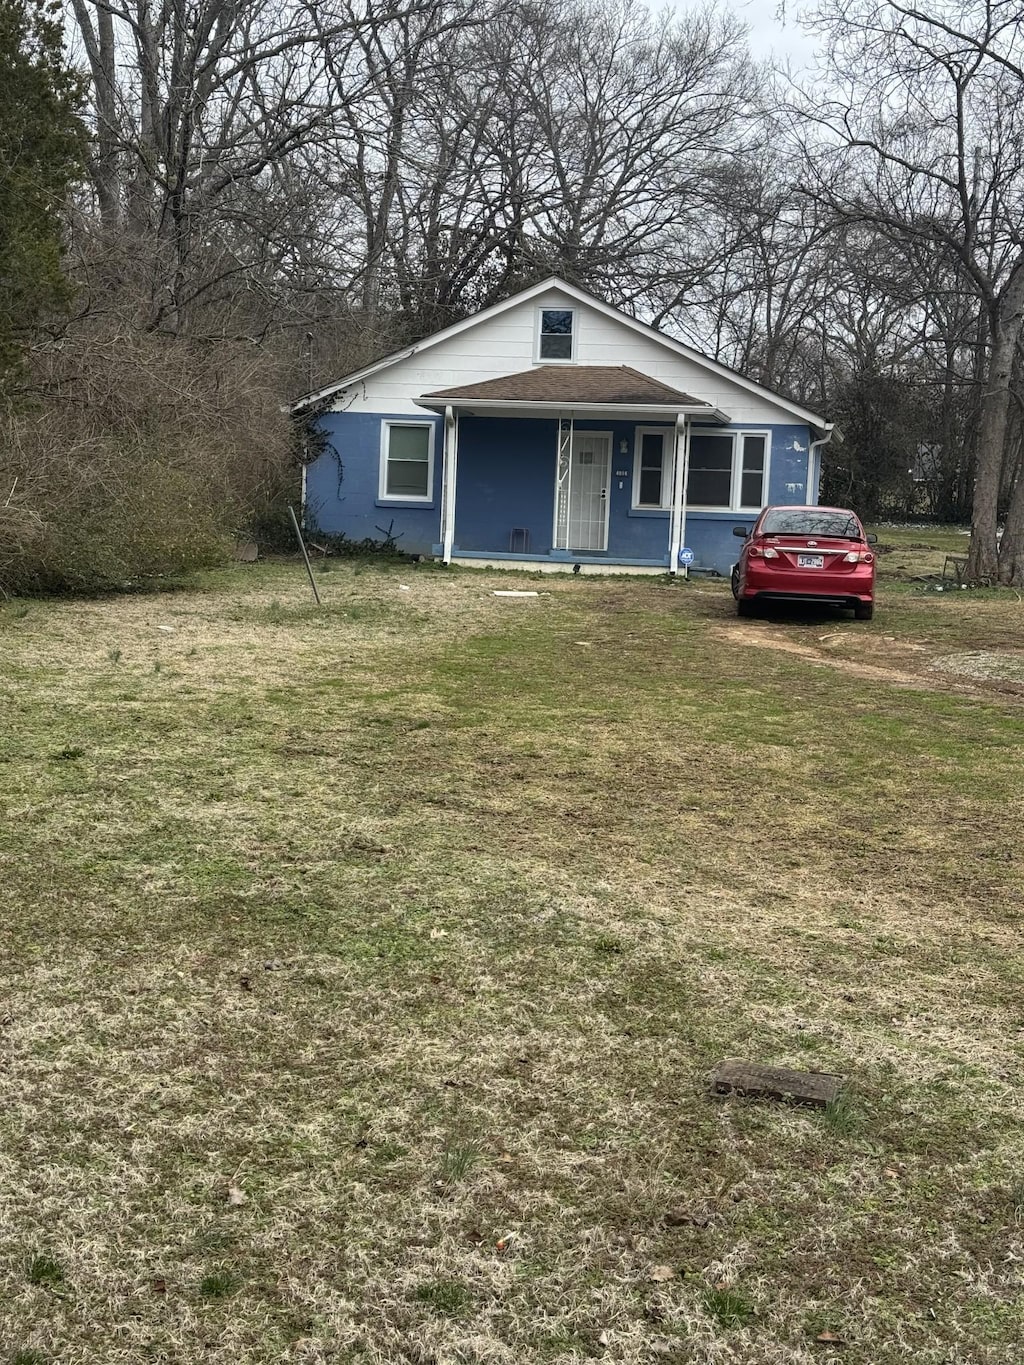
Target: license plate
[{"x": 810, "y": 561}]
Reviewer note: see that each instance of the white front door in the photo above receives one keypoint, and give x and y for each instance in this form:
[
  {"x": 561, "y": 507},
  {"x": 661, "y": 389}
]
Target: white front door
[{"x": 588, "y": 490}]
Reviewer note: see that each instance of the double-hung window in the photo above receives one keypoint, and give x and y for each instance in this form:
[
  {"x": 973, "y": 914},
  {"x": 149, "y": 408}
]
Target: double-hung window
[
  {"x": 407, "y": 461},
  {"x": 728, "y": 469},
  {"x": 556, "y": 339}
]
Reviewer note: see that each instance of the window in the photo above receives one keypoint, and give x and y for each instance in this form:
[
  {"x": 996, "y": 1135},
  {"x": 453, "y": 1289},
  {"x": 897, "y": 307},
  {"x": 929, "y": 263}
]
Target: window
[
  {"x": 652, "y": 468},
  {"x": 753, "y": 471},
  {"x": 710, "y": 482},
  {"x": 728, "y": 470},
  {"x": 825, "y": 525},
  {"x": 407, "y": 461},
  {"x": 556, "y": 335}
]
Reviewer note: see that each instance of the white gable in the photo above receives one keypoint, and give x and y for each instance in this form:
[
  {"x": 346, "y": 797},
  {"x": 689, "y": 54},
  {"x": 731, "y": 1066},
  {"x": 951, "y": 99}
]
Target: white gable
[{"x": 502, "y": 341}]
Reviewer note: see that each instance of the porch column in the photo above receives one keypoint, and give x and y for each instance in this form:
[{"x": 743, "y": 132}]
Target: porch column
[
  {"x": 451, "y": 465},
  {"x": 677, "y": 514},
  {"x": 563, "y": 482}
]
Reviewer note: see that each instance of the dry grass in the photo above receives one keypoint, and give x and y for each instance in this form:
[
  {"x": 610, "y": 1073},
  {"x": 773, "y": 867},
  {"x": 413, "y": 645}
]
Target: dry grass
[
  {"x": 363, "y": 969},
  {"x": 910, "y": 553}
]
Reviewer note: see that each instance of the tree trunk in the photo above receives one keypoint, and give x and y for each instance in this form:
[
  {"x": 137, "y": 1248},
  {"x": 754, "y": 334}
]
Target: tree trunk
[
  {"x": 983, "y": 559},
  {"x": 105, "y": 166},
  {"x": 1011, "y": 550}
]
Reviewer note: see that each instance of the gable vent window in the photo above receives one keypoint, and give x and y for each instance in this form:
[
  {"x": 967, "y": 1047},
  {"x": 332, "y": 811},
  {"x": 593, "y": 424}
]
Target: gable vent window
[{"x": 556, "y": 339}]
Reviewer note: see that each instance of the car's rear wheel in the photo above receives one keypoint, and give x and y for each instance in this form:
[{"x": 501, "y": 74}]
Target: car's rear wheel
[
  {"x": 736, "y": 581},
  {"x": 864, "y": 611}
]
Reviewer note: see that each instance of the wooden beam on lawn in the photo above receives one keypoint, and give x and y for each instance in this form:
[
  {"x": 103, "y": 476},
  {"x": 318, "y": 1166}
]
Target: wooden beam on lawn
[{"x": 737, "y": 1077}]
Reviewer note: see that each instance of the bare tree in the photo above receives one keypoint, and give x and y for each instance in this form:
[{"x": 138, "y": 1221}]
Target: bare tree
[
  {"x": 572, "y": 138},
  {"x": 201, "y": 110},
  {"x": 922, "y": 138}
]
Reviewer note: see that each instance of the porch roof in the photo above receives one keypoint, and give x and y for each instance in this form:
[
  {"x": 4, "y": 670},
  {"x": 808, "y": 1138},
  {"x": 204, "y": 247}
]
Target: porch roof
[{"x": 601, "y": 389}]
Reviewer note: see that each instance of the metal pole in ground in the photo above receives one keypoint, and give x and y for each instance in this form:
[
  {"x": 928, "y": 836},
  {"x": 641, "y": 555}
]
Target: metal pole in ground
[{"x": 305, "y": 555}]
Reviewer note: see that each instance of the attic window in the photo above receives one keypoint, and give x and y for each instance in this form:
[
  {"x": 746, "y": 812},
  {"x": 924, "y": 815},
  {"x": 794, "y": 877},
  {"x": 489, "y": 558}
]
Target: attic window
[{"x": 556, "y": 337}]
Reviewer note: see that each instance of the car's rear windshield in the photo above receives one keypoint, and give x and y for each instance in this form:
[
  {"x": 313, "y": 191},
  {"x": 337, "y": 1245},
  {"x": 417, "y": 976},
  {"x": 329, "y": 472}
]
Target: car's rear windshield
[{"x": 784, "y": 522}]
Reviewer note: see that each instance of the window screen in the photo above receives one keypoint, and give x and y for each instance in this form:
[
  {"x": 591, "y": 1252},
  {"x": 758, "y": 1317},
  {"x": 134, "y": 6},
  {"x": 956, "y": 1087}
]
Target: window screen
[
  {"x": 710, "y": 481},
  {"x": 556, "y": 333},
  {"x": 408, "y": 471}
]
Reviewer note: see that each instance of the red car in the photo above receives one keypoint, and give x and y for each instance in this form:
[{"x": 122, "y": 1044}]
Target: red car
[{"x": 805, "y": 554}]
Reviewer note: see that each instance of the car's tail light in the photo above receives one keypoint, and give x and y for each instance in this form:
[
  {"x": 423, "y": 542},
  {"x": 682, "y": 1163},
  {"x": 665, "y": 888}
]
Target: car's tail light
[
  {"x": 859, "y": 557},
  {"x": 769, "y": 553},
  {"x": 754, "y": 551}
]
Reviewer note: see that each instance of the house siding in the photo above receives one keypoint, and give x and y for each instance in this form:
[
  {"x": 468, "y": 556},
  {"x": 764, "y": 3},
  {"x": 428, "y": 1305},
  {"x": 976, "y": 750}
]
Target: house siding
[
  {"x": 505, "y": 344},
  {"x": 506, "y": 481},
  {"x": 342, "y": 485}
]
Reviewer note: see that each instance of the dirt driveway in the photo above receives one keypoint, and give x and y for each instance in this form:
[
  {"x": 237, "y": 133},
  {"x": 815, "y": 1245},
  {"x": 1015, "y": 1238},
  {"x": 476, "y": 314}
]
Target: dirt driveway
[{"x": 907, "y": 662}]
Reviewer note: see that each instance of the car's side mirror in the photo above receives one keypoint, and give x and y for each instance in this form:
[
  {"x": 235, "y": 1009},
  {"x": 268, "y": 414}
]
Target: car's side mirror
[
  {"x": 871, "y": 540},
  {"x": 740, "y": 531}
]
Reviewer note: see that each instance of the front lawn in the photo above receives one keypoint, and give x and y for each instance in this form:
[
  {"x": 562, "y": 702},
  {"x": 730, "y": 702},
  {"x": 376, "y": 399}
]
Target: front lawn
[
  {"x": 363, "y": 970},
  {"x": 910, "y": 553}
]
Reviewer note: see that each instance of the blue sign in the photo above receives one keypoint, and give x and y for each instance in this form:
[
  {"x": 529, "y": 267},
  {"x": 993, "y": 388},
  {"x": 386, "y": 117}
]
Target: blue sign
[{"x": 685, "y": 556}]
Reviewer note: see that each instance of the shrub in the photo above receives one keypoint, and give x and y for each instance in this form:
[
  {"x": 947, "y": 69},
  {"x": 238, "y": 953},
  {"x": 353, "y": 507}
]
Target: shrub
[{"x": 137, "y": 457}]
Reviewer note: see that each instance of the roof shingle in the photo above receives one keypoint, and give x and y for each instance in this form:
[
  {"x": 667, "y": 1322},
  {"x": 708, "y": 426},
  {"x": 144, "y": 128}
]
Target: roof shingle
[{"x": 611, "y": 385}]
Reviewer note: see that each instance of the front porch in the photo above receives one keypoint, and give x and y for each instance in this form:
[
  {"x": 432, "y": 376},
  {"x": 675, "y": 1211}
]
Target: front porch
[{"x": 594, "y": 476}]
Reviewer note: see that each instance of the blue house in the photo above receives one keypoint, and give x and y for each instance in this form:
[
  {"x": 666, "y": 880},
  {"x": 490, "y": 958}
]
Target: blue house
[{"x": 553, "y": 429}]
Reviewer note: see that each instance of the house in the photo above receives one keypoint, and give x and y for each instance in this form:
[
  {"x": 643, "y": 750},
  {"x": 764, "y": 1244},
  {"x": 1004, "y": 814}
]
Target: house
[{"x": 551, "y": 430}]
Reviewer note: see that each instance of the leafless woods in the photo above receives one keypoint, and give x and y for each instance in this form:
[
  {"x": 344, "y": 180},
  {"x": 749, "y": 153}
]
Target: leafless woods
[{"x": 360, "y": 172}]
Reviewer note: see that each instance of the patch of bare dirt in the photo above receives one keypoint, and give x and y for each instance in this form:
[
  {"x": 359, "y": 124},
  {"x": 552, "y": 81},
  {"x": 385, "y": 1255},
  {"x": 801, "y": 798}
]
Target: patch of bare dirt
[
  {"x": 745, "y": 633},
  {"x": 980, "y": 670}
]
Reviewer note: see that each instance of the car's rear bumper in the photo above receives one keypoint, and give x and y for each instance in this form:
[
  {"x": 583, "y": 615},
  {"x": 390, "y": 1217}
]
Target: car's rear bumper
[
  {"x": 822, "y": 599},
  {"x": 795, "y": 585}
]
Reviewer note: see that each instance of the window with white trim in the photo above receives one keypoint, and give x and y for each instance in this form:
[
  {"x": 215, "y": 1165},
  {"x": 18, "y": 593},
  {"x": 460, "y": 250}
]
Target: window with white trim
[
  {"x": 556, "y": 334},
  {"x": 652, "y": 467},
  {"x": 728, "y": 469},
  {"x": 407, "y": 461},
  {"x": 753, "y": 469}
]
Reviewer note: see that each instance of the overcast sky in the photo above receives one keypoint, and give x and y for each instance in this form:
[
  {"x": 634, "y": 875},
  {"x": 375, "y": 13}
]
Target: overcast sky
[{"x": 770, "y": 35}]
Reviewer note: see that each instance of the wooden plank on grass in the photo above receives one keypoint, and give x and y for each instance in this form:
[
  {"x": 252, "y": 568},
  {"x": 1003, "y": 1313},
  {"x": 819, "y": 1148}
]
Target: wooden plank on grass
[{"x": 736, "y": 1077}]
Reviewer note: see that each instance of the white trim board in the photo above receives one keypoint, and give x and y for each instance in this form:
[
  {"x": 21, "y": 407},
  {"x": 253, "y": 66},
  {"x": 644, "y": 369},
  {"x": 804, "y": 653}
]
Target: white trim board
[
  {"x": 527, "y": 565},
  {"x": 528, "y": 407}
]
